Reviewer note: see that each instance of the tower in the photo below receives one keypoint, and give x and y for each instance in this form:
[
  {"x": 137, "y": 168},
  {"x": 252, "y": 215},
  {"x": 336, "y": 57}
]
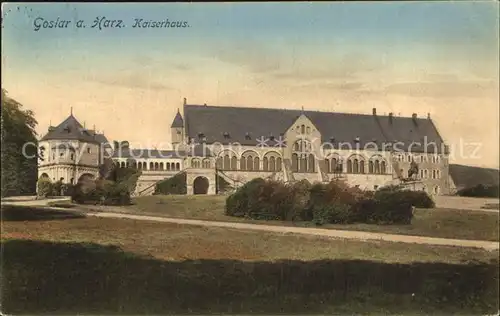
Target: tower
[{"x": 177, "y": 129}]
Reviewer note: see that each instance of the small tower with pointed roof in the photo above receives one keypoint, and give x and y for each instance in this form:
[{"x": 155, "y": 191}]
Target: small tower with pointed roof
[{"x": 177, "y": 128}]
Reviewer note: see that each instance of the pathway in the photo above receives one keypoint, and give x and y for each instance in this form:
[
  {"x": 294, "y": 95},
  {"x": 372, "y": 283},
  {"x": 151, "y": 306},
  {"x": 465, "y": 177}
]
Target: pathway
[{"x": 329, "y": 233}]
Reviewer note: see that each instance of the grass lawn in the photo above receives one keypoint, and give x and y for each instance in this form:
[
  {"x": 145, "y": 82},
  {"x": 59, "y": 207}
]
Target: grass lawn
[
  {"x": 62, "y": 264},
  {"x": 445, "y": 223}
]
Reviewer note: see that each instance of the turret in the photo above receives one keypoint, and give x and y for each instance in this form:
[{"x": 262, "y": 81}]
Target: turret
[{"x": 177, "y": 129}]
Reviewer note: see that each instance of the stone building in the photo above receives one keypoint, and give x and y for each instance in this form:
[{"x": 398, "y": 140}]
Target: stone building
[
  {"x": 238, "y": 144},
  {"x": 70, "y": 151}
]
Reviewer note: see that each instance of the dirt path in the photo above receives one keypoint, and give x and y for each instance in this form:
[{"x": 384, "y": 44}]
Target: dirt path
[
  {"x": 329, "y": 233},
  {"x": 356, "y": 235}
]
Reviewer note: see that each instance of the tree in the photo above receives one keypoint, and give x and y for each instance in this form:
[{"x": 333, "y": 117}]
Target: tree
[{"x": 19, "y": 169}]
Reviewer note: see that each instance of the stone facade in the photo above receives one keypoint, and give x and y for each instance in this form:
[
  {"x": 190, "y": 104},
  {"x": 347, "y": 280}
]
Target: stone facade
[{"x": 296, "y": 153}]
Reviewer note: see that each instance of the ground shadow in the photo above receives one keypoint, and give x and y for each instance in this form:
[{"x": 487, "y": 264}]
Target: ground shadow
[
  {"x": 60, "y": 278},
  {"x": 29, "y": 213}
]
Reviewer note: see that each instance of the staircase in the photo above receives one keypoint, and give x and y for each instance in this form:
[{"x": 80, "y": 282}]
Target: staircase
[
  {"x": 288, "y": 173},
  {"x": 322, "y": 171},
  {"x": 234, "y": 184},
  {"x": 149, "y": 190}
]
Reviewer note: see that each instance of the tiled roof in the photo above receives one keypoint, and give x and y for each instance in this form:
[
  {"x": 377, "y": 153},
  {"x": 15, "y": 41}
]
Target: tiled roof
[
  {"x": 245, "y": 125},
  {"x": 178, "y": 120},
  {"x": 71, "y": 129}
]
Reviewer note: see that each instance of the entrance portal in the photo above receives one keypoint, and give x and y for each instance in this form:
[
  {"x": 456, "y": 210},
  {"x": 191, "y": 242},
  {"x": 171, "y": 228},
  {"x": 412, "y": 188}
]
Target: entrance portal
[{"x": 200, "y": 185}]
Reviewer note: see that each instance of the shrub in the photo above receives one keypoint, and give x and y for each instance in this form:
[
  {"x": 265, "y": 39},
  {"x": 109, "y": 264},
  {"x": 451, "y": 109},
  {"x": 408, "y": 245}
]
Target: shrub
[
  {"x": 418, "y": 199},
  {"x": 173, "y": 185},
  {"x": 44, "y": 187},
  {"x": 57, "y": 188},
  {"x": 335, "y": 213},
  {"x": 242, "y": 202},
  {"x": 391, "y": 207}
]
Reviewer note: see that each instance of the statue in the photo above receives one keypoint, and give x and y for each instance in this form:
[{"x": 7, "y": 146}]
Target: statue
[{"x": 413, "y": 172}]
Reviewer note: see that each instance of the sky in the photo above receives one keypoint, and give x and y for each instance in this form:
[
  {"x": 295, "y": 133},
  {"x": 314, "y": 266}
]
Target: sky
[{"x": 402, "y": 57}]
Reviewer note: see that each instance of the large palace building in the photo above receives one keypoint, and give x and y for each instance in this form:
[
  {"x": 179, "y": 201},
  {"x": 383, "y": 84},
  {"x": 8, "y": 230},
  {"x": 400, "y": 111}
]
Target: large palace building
[{"x": 243, "y": 143}]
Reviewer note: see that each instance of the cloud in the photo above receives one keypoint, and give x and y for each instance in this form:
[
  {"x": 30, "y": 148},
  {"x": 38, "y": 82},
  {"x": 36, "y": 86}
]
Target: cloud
[
  {"x": 132, "y": 80},
  {"x": 445, "y": 89}
]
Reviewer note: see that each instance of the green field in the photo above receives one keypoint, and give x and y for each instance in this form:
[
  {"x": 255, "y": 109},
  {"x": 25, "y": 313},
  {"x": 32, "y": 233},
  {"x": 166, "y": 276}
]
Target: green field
[{"x": 61, "y": 262}]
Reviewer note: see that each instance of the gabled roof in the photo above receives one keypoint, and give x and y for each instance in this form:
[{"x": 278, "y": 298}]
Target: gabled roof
[
  {"x": 178, "y": 121},
  {"x": 71, "y": 129},
  {"x": 245, "y": 125}
]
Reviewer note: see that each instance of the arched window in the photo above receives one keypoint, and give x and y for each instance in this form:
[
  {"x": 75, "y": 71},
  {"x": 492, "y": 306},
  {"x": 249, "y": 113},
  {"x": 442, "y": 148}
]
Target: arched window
[
  {"x": 177, "y": 166},
  {"x": 234, "y": 162},
  {"x": 334, "y": 165},
  {"x": 295, "y": 162},
  {"x": 219, "y": 163},
  {"x": 303, "y": 163},
  {"x": 355, "y": 166},
  {"x": 311, "y": 163},
  {"x": 278, "y": 164},
  {"x": 265, "y": 165},
  {"x": 151, "y": 166},
  {"x": 168, "y": 166},
  {"x": 161, "y": 165},
  {"x": 272, "y": 164},
  {"x": 302, "y": 129},
  {"x": 243, "y": 163},
  {"x": 362, "y": 166},
  {"x": 256, "y": 164},
  {"x": 249, "y": 163},
  {"x": 349, "y": 166},
  {"x": 327, "y": 165},
  {"x": 308, "y": 130},
  {"x": 383, "y": 168},
  {"x": 227, "y": 163},
  {"x": 425, "y": 173},
  {"x": 433, "y": 174},
  {"x": 157, "y": 166},
  {"x": 370, "y": 167},
  {"x": 139, "y": 165},
  {"x": 377, "y": 166}
]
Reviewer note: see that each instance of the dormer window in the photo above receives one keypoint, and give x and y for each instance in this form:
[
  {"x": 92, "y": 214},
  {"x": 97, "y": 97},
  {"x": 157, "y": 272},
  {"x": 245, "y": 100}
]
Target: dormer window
[
  {"x": 356, "y": 140},
  {"x": 271, "y": 137},
  {"x": 179, "y": 132},
  {"x": 226, "y": 135},
  {"x": 247, "y": 136},
  {"x": 201, "y": 135},
  {"x": 374, "y": 140},
  {"x": 332, "y": 139}
]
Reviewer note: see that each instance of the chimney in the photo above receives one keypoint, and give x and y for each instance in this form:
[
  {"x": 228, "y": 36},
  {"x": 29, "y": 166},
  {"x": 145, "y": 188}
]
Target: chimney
[
  {"x": 390, "y": 117},
  {"x": 374, "y": 111},
  {"x": 185, "y": 101},
  {"x": 414, "y": 118}
]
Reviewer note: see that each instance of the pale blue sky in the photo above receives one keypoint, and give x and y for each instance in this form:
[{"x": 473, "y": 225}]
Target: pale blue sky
[{"x": 402, "y": 57}]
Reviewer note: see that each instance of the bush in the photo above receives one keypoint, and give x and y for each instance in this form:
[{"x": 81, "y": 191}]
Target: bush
[
  {"x": 222, "y": 184},
  {"x": 335, "y": 203},
  {"x": 391, "y": 207},
  {"x": 480, "y": 190},
  {"x": 105, "y": 192},
  {"x": 44, "y": 187},
  {"x": 174, "y": 185},
  {"x": 418, "y": 199}
]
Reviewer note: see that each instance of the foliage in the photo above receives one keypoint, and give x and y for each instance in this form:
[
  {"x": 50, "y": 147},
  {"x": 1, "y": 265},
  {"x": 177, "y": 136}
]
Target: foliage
[
  {"x": 44, "y": 187},
  {"x": 332, "y": 203},
  {"x": 107, "y": 191},
  {"x": 418, "y": 199},
  {"x": 173, "y": 185},
  {"x": 480, "y": 190},
  {"x": 19, "y": 172}
]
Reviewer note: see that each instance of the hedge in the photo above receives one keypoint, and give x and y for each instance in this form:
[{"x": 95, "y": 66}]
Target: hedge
[
  {"x": 44, "y": 187},
  {"x": 334, "y": 202}
]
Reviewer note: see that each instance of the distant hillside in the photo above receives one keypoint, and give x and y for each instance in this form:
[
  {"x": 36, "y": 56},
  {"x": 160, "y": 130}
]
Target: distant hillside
[{"x": 468, "y": 176}]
